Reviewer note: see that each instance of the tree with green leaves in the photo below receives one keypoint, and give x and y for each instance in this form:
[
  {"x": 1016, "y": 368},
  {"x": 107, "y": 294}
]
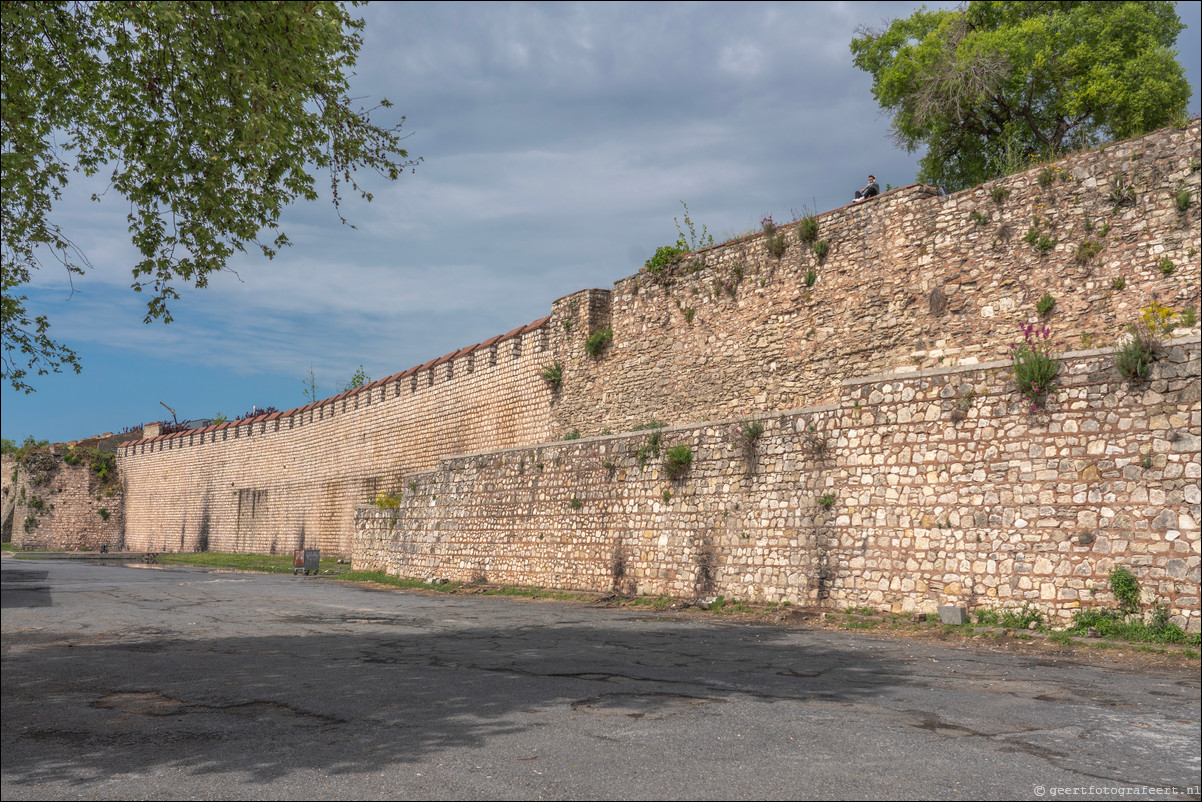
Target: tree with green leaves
[
  {"x": 985, "y": 87},
  {"x": 207, "y": 118}
]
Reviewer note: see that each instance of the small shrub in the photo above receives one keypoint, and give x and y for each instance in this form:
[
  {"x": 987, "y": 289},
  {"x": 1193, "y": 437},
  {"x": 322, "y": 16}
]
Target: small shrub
[
  {"x": 103, "y": 513},
  {"x": 826, "y": 500},
  {"x": 1166, "y": 266},
  {"x": 677, "y": 460},
  {"x": 810, "y": 277},
  {"x": 807, "y": 229},
  {"x": 1183, "y": 199},
  {"x": 978, "y": 218},
  {"x": 576, "y": 502},
  {"x": 651, "y": 424},
  {"x": 553, "y": 374},
  {"x": 1121, "y": 193},
  {"x": 988, "y": 618},
  {"x": 1033, "y": 364},
  {"x": 1045, "y": 304},
  {"x": 1189, "y": 318},
  {"x": 689, "y": 313},
  {"x": 1125, "y": 588},
  {"x": 388, "y": 501},
  {"x": 1086, "y": 251},
  {"x": 1044, "y": 243},
  {"x": 773, "y": 237},
  {"x": 597, "y": 341},
  {"x": 650, "y": 448},
  {"x": 412, "y": 487},
  {"x": 1047, "y": 175},
  {"x": 666, "y": 496},
  {"x": 572, "y": 435},
  {"x": 999, "y": 193},
  {"x": 1135, "y": 357},
  {"x": 1022, "y": 618},
  {"x": 748, "y": 436},
  {"x": 664, "y": 258},
  {"x": 821, "y": 249},
  {"x": 1118, "y": 283}
]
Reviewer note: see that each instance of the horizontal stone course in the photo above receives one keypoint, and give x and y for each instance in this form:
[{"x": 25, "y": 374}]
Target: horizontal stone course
[{"x": 922, "y": 514}]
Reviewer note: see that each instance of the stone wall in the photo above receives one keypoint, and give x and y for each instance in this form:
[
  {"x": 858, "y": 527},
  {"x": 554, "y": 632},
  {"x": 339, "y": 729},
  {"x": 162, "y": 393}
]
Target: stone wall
[
  {"x": 944, "y": 488},
  {"x": 292, "y": 479},
  {"x": 52, "y": 506},
  {"x": 912, "y": 281}
]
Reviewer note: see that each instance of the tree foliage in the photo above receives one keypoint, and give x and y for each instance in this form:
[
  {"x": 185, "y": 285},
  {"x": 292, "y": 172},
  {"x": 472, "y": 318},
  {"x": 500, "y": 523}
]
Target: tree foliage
[
  {"x": 207, "y": 117},
  {"x": 985, "y": 87}
]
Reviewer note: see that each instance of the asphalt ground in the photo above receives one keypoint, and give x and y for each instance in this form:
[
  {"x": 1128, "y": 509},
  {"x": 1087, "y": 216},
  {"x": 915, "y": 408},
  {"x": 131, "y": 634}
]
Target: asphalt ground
[{"x": 127, "y": 683}]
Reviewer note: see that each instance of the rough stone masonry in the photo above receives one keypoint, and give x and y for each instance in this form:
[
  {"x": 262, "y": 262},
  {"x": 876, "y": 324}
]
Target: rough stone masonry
[{"x": 872, "y": 331}]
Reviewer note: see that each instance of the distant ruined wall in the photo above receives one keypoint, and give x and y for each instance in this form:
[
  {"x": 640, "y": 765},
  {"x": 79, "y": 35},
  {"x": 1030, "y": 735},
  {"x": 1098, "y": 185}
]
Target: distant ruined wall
[
  {"x": 913, "y": 281},
  {"x": 292, "y": 479},
  {"x": 51, "y": 506},
  {"x": 944, "y": 488}
]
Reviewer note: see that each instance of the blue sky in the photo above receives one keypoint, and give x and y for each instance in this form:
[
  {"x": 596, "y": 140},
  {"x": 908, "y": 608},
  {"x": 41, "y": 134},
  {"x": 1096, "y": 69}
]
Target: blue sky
[{"x": 558, "y": 141}]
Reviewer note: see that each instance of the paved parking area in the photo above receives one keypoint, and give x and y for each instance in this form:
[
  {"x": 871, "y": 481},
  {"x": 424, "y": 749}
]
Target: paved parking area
[{"x": 184, "y": 683}]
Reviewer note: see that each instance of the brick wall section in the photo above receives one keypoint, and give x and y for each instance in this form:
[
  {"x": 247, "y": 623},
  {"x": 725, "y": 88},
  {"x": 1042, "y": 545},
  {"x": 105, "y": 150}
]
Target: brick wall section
[
  {"x": 294, "y": 478},
  {"x": 64, "y": 509},
  {"x": 1002, "y": 507},
  {"x": 912, "y": 280}
]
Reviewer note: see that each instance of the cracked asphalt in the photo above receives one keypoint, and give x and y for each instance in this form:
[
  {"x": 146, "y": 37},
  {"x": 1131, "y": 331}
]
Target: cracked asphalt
[{"x": 127, "y": 683}]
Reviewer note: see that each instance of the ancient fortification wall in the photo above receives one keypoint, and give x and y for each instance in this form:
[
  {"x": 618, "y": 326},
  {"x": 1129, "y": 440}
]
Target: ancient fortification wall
[
  {"x": 291, "y": 479},
  {"x": 52, "y": 506},
  {"x": 943, "y": 488},
  {"x": 912, "y": 282}
]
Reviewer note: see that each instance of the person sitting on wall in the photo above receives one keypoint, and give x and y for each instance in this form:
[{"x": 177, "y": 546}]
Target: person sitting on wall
[{"x": 871, "y": 190}]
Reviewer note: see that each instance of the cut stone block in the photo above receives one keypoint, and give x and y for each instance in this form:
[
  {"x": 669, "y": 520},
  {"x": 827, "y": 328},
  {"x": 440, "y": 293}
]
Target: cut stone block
[{"x": 953, "y": 615}]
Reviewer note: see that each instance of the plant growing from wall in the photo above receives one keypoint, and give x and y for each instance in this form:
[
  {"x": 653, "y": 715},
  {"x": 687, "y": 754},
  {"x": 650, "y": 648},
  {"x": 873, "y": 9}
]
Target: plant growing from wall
[
  {"x": 748, "y": 437},
  {"x": 650, "y": 448},
  {"x": 1183, "y": 198},
  {"x": 388, "y": 501},
  {"x": 553, "y": 374},
  {"x": 1045, "y": 304},
  {"x": 576, "y": 503},
  {"x": 811, "y": 276},
  {"x": 677, "y": 460},
  {"x": 1166, "y": 265},
  {"x": 689, "y": 313},
  {"x": 978, "y": 218},
  {"x": 1033, "y": 364},
  {"x": 813, "y": 442},
  {"x": 597, "y": 342},
  {"x": 1086, "y": 251},
  {"x": 1135, "y": 356},
  {"x": 773, "y": 237},
  {"x": 821, "y": 249},
  {"x": 826, "y": 500},
  {"x": 964, "y": 403},
  {"x": 572, "y": 435},
  {"x": 1121, "y": 193},
  {"x": 1118, "y": 283},
  {"x": 999, "y": 193},
  {"x": 807, "y": 229}
]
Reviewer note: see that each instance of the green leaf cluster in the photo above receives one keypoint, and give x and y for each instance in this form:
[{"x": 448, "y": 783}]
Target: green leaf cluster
[
  {"x": 206, "y": 118},
  {"x": 988, "y": 88}
]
